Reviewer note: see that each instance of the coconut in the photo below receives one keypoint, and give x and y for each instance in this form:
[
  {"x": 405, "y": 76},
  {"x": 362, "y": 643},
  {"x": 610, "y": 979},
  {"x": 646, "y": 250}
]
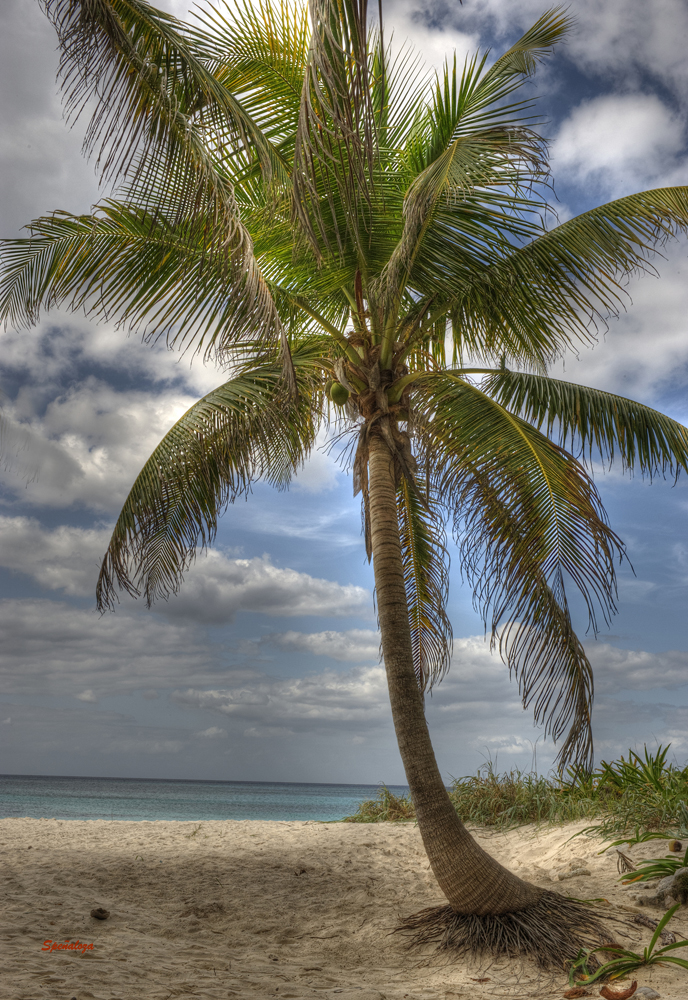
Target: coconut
[{"x": 339, "y": 394}]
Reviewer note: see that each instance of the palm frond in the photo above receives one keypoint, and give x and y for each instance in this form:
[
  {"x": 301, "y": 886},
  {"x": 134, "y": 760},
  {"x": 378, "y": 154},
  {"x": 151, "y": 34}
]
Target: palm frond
[
  {"x": 335, "y": 142},
  {"x": 533, "y": 47},
  {"x": 527, "y": 610},
  {"x": 475, "y": 152},
  {"x": 159, "y": 277},
  {"x": 258, "y": 53},
  {"x": 586, "y": 258},
  {"x": 154, "y": 99},
  {"x": 247, "y": 429},
  {"x": 528, "y": 518},
  {"x": 596, "y": 422},
  {"x": 426, "y": 578},
  {"x": 551, "y": 295}
]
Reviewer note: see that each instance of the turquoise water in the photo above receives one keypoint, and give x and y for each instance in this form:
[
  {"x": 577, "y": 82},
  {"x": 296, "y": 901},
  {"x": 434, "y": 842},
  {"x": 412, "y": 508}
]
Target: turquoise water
[{"x": 150, "y": 799}]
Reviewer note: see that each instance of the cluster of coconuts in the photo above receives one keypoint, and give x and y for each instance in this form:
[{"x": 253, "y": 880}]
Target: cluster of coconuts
[{"x": 337, "y": 392}]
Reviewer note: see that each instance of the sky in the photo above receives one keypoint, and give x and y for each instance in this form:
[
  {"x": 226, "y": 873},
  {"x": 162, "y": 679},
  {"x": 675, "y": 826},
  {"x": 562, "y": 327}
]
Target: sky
[{"x": 266, "y": 666}]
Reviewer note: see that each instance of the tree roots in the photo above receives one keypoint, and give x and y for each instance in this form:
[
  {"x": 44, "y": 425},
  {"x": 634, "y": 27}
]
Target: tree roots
[{"x": 551, "y": 932}]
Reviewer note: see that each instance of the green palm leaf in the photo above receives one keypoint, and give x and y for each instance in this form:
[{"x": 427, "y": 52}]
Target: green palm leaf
[
  {"x": 427, "y": 583},
  {"x": 547, "y": 296},
  {"x": 246, "y": 430},
  {"x": 258, "y": 54},
  {"x": 154, "y": 275},
  {"x": 474, "y": 151},
  {"x": 528, "y": 518},
  {"x": 595, "y": 421},
  {"x": 154, "y": 97},
  {"x": 334, "y": 139}
]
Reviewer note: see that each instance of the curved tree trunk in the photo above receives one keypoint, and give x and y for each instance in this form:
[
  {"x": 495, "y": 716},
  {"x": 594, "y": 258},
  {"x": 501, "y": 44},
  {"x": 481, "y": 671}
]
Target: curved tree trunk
[{"x": 472, "y": 881}]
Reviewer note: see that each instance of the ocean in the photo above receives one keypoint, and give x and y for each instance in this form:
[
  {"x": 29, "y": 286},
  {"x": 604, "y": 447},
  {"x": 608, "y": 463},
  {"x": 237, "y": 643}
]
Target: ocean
[{"x": 49, "y": 797}]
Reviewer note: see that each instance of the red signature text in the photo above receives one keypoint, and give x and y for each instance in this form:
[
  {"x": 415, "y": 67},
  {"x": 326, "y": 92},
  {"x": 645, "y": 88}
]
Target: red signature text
[{"x": 67, "y": 946}]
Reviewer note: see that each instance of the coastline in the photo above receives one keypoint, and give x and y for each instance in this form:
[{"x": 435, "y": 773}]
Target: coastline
[
  {"x": 264, "y": 908},
  {"x": 180, "y": 799}
]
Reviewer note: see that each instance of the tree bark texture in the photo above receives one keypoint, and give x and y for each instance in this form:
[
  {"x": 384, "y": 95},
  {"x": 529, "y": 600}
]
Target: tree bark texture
[{"x": 472, "y": 881}]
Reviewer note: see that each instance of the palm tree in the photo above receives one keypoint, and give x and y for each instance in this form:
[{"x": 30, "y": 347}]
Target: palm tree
[{"x": 366, "y": 248}]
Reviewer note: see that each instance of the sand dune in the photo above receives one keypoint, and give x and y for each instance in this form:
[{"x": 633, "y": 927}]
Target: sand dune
[{"x": 247, "y": 909}]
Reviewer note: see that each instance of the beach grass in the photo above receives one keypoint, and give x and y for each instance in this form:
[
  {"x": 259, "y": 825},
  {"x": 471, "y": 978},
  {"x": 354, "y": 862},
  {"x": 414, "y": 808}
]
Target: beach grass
[
  {"x": 635, "y": 795},
  {"x": 386, "y": 807}
]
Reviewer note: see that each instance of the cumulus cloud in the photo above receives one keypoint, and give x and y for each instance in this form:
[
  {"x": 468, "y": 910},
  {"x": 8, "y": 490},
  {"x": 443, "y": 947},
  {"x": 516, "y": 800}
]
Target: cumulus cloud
[
  {"x": 622, "y": 38},
  {"x": 215, "y": 589},
  {"x": 87, "y": 696},
  {"x": 618, "y": 39},
  {"x": 637, "y": 669},
  {"x": 64, "y": 558},
  {"x": 51, "y": 648},
  {"x": 351, "y": 646},
  {"x": 644, "y": 353},
  {"x": 619, "y": 144},
  {"x": 90, "y": 442},
  {"x": 357, "y": 698}
]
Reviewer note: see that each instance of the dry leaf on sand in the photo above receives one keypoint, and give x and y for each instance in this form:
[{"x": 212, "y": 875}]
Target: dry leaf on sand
[{"x": 609, "y": 994}]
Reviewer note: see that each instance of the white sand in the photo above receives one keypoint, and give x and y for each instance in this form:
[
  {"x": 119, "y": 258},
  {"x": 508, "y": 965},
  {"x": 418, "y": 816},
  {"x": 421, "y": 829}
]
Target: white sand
[{"x": 263, "y": 909}]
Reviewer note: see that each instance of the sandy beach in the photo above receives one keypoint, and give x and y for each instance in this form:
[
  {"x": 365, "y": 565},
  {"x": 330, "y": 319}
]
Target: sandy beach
[{"x": 248, "y": 909}]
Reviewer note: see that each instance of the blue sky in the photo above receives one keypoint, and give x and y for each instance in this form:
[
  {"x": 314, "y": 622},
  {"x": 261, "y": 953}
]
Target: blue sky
[{"x": 265, "y": 667}]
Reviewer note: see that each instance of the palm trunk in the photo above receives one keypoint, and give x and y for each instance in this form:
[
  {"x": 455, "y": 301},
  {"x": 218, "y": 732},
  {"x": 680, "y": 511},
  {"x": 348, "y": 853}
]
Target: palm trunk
[{"x": 472, "y": 881}]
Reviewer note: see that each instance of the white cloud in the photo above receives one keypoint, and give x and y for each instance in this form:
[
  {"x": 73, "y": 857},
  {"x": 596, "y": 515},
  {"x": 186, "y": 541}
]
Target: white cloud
[
  {"x": 351, "y": 646},
  {"x": 51, "y": 648},
  {"x": 358, "y": 697},
  {"x": 636, "y": 669},
  {"x": 215, "y": 588},
  {"x": 617, "y": 39},
  {"x": 434, "y": 47},
  {"x": 90, "y": 443},
  {"x": 87, "y": 696},
  {"x": 319, "y": 473},
  {"x": 645, "y": 351},
  {"x": 619, "y": 144},
  {"x": 213, "y": 733},
  {"x": 63, "y": 558}
]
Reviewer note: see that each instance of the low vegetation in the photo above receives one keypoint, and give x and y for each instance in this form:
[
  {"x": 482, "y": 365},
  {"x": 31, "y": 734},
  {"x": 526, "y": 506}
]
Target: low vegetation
[
  {"x": 385, "y": 807},
  {"x": 623, "y": 962},
  {"x": 634, "y": 796}
]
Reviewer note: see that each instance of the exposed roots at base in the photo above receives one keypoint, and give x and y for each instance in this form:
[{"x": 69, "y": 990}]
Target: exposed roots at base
[{"x": 551, "y": 932}]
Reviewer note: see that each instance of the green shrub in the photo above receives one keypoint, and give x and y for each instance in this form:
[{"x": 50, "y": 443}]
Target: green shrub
[
  {"x": 518, "y": 797},
  {"x": 642, "y": 793},
  {"x": 385, "y": 807}
]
